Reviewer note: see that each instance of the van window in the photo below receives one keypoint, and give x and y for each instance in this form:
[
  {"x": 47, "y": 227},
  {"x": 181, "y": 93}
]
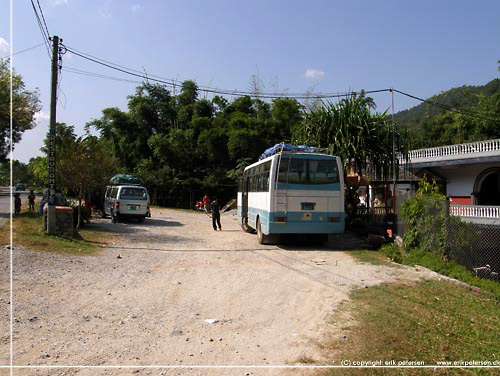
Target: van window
[
  {"x": 133, "y": 194},
  {"x": 114, "y": 191}
]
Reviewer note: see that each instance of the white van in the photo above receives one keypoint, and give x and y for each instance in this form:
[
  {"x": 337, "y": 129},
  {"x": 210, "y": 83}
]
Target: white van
[{"x": 126, "y": 201}]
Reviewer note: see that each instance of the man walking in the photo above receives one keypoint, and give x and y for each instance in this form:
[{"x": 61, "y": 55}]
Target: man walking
[{"x": 215, "y": 207}]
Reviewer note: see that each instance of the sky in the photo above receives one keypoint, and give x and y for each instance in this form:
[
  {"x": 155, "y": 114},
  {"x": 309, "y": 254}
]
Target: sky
[{"x": 420, "y": 47}]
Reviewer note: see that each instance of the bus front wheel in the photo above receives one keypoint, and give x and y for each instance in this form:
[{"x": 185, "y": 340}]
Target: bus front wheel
[{"x": 263, "y": 239}]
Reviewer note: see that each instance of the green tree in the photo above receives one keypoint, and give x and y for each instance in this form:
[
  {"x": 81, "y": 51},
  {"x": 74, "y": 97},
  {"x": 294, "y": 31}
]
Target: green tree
[
  {"x": 25, "y": 105},
  {"x": 39, "y": 170},
  {"x": 351, "y": 131},
  {"x": 83, "y": 166}
]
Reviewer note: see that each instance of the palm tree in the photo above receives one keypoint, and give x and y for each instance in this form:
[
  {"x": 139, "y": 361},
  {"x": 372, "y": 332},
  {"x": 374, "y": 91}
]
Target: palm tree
[{"x": 361, "y": 137}]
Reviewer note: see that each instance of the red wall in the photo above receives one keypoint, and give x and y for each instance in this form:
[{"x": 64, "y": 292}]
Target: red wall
[{"x": 461, "y": 201}]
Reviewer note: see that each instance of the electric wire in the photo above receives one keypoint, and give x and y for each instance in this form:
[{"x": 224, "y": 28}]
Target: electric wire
[
  {"x": 205, "y": 89},
  {"x": 97, "y": 75},
  {"x": 22, "y": 51},
  {"x": 43, "y": 18},
  {"x": 44, "y": 32},
  {"x": 448, "y": 108},
  {"x": 175, "y": 83}
]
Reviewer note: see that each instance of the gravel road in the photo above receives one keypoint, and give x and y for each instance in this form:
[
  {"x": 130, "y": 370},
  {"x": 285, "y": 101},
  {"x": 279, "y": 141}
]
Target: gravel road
[{"x": 174, "y": 292}]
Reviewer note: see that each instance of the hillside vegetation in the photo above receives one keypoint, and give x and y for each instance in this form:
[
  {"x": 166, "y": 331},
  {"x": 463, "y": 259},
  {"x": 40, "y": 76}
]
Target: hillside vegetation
[{"x": 434, "y": 126}]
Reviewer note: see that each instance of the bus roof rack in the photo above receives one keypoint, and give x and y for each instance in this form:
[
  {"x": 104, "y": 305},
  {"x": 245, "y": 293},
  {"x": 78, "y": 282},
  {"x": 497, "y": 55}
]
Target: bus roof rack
[{"x": 279, "y": 148}]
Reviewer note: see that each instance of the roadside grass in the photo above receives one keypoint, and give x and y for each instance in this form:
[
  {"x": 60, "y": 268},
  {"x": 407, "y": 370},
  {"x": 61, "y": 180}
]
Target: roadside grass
[
  {"x": 436, "y": 263},
  {"x": 28, "y": 232},
  {"x": 430, "y": 321},
  {"x": 371, "y": 257}
]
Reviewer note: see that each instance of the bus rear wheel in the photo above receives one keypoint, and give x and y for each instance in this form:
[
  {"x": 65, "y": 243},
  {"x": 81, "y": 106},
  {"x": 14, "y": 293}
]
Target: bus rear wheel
[{"x": 263, "y": 239}]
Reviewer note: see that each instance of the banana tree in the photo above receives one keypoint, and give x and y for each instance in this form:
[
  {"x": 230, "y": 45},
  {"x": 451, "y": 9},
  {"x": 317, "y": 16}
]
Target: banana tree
[{"x": 361, "y": 137}]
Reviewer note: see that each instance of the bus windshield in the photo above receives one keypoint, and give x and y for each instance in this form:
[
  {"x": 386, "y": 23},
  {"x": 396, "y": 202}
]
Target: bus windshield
[{"x": 308, "y": 171}]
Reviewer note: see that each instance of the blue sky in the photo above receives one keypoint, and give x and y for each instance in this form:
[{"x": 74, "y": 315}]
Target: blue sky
[{"x": 420, "y": 47}]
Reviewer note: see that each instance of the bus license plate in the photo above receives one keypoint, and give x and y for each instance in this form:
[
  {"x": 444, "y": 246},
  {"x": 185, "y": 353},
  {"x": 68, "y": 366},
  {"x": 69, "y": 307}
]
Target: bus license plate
[{"x": 307, "y": 205}]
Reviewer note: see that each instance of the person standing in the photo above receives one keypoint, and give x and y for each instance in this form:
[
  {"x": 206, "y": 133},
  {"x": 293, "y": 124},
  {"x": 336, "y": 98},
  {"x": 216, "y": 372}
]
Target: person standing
[
  {"x": 43, "y": 201},
  {"x": 206, "y": 202},
  {"x": 31, "y": 200},
  {"x": 17, "y": 204},
  {"x": 215, "y": 207}
]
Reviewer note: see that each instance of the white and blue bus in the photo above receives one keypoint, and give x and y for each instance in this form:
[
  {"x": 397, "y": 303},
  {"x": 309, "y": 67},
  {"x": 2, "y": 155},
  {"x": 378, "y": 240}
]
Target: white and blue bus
[{"x": 292, "y": 192}]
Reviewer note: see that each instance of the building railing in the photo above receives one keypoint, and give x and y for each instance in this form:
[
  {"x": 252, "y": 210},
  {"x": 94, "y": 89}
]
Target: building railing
[
  {"x": 475, "y": 211},
  {"x": 469, "y": 150}
]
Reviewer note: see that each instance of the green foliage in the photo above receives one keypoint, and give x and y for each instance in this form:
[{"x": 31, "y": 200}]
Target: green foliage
[
  {"x": 392, "y": 252},
  {"x": 21, "y": 173},
  {"x": 39, "y": 170},
  {"x": 432, "y": 126},
  {"x": 351, "y": 131},
  {"x": 25, "y": 105},
  {"x": 425, "y": 215},
  {"x": 181, "y": 146}
]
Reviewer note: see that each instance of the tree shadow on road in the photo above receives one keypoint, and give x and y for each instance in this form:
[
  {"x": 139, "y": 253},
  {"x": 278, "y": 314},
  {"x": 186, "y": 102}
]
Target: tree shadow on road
[
  {"x": 129, "y": 226},
  {"x": 162, "y": 222}
]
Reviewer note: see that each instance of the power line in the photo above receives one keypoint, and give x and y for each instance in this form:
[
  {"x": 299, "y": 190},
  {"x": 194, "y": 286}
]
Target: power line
[
  {"x": 174, "y": 83},
  {"x": 43, "y": 18},
  {"x": 97, "y": 75},
  {"x": 44, "y": 32},
  {"x": 448, "y": 108},
  {"x": 22, "y": 51}
]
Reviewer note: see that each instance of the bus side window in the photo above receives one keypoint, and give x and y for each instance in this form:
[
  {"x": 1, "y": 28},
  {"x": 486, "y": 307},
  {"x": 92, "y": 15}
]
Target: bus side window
[{"x": 282, "y": 175}]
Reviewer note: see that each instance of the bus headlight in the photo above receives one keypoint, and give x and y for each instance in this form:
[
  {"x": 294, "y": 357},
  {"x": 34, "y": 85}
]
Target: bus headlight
[{"x": 280, "y": 219}]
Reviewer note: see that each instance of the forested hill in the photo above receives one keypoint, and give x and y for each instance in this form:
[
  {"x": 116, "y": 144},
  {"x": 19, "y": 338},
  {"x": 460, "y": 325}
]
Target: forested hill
[
  {"x": 433, "y": 126},
  {"x": 465, "y": 97}
]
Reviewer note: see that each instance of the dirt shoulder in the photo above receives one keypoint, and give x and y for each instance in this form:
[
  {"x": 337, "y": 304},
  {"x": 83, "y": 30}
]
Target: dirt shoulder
[{"x": 146, "y": 299}]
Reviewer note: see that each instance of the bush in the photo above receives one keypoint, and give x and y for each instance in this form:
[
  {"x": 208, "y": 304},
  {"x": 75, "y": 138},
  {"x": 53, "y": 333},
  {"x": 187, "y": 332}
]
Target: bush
[
  {"x": 392, "y": 251},
  {"x": 425, "y": 215}
]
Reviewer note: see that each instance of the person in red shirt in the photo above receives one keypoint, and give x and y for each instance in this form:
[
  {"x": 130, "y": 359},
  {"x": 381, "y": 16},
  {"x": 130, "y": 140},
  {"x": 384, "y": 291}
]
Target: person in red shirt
[{"x": 206, "y": 203}]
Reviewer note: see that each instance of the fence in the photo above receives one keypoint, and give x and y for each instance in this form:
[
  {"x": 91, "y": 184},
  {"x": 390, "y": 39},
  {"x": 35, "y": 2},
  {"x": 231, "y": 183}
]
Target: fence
[{"x": 474, "y": 245}]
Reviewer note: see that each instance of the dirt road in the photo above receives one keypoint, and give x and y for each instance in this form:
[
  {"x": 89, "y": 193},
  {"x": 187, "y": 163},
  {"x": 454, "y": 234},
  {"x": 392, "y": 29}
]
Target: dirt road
[{"x": 173, "y": 292}]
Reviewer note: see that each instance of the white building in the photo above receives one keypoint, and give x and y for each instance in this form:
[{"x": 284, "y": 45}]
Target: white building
[{"x": 469, "y": 174}]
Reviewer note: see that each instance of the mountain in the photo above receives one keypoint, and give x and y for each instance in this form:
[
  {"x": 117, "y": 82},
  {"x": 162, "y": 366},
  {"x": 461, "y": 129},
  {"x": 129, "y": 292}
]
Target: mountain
[{"x": 465, "y": 98}]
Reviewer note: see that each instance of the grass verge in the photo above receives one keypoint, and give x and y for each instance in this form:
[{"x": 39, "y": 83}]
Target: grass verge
[
  {"x": 432, "y": 321},
  {"x": 435, "y": 262},
  {"x": 370, "y": 257},
  {"x": 28, "y": 232}
]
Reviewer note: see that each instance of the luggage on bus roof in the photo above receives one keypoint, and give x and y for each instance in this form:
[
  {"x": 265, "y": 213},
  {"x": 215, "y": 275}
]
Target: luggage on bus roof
[
  {"x": 122, "y": 179},
  {"x": 288, "y": 148}
]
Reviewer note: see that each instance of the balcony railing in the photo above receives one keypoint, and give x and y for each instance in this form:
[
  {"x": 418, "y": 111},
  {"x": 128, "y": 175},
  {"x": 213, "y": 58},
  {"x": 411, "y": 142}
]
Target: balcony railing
[
  {"x": 460, "y": 151},
  {"x": 476, "y": 211}
]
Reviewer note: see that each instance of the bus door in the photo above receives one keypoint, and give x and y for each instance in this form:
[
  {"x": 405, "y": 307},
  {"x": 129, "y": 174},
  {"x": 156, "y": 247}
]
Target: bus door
[{"x": 244, "y": 197}]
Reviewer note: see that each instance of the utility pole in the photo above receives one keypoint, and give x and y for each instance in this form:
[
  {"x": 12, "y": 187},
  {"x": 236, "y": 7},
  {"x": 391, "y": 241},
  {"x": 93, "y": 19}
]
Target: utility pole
[{"x": 51, "y": 210}]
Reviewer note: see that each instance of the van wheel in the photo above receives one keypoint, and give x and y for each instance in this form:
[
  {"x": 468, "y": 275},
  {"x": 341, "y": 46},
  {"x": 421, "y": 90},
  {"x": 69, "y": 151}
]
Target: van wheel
[
  {"x": 140, "y": 219},
  {"x": 262, "y": 238},
  {"x": 114, "y": 218}
]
